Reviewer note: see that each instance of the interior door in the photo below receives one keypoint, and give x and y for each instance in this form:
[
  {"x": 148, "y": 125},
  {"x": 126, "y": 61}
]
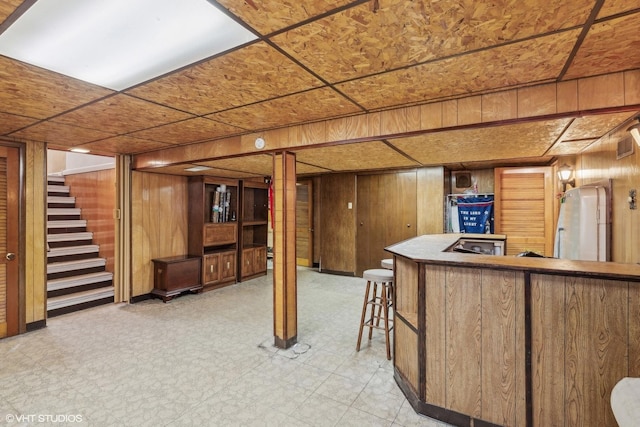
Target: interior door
[
  {"x": 9, "y": 249},
  {"x": 386, "y": 214},
  {"x": 304, "y": 223}
]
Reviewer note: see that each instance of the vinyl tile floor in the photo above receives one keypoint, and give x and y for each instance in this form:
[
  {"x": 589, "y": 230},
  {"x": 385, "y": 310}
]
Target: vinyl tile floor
[{"x": 206, "y": 360}]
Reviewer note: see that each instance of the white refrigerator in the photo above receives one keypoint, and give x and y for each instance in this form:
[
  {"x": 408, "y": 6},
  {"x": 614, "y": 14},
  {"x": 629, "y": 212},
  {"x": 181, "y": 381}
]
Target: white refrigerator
[{"x": 584, "y": 224}]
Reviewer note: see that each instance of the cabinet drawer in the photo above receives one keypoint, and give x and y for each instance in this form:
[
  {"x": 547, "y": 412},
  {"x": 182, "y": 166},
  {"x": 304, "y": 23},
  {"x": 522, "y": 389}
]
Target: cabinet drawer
[{"x": 219, "y": 234}]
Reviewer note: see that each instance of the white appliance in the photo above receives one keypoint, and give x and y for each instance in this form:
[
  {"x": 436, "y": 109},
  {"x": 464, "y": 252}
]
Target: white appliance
[{"x": 584, "y": 224}]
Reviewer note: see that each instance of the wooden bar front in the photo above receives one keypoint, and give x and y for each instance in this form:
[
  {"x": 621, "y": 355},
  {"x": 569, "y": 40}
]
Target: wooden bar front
[{"x": 512, "y": 341}]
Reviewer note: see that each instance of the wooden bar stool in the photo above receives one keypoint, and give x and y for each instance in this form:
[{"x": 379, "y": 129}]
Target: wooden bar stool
[{"x": 383, "y": 302}]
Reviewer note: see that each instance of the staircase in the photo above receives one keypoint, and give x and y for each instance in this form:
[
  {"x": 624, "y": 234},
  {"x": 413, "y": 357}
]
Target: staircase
[{"x": 76, "y": 276}]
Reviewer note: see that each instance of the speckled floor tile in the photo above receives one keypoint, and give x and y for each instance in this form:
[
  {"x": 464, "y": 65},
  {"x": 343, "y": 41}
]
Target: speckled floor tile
[{"x": 208, "y": 360}]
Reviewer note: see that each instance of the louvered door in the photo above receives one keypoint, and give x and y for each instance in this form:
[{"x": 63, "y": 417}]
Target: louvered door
[{"x": 524, "y": 209}]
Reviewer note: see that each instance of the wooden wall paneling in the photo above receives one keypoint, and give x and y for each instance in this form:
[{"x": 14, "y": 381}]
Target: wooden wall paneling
[
  {"x": 537, "y": 100},
  {"x": 464, "y": 351},
  {"x": 436, "y": 312},
  {"x": 601, "y": 91},
  {"x": 159, "y": 223},
  {"x": 413, "y": 118},
  {"x": 499, "y": 352},
  {"x": 95, "y": 194},
  {"x": 548, "y": 320},
  {"x": 431, "y": 116},
  {"x": 313, "y": 133},
  {"x": 567, "y": 95},
  {"x": 430, "y": 194},
  {"x": 393, "y": 121},
  {"x": 337, "y": 222},
  {"x": 469, "y": 110},
  {"x": 36, "y": 234},
  {"x": 374, "y": 124},
  {"x": 406, "y": 297},
  {"x": 450, "y": 113},
  {"x": 500, "y": 106},
  {"x": 634, "y": 330},
  {"x": 317, "y": 212},
  {"x": 596, "y": 344},
  {"x": 369, "y": 222},
  {"x": 631, "y": 85},
  {"x": 406, "y": 355}
]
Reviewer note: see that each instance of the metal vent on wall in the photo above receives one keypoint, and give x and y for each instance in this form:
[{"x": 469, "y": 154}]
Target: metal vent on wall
[{"x": 625, "y": 147}]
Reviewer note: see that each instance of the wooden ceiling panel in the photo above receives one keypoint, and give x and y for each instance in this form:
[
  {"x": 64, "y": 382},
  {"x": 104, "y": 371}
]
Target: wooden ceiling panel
[
  {"x": 302, "y": 107},
  {"x": 124, "y": 145},
  {"x": 613, "y": 7},
  {"x": 30, "y": 91},
  {"x": 7, "y": 7},
  {"x": 254, "y": 73},
  {"x": 594, "y": 127},
  {"x": 120, "y": 114},
  {"x": 305, "y": 169},
  {"x": 352, "y": 157},
  {"x": 61, "y": 134},
  {"x": 260, "y": 165},
  {"x": 192, "y": 130},
  {"x": 11, "y": 122},
  {"x": 220, "y": 173},
  {"x": 598, "y": 55},
  {"x": 268, "y": 16},
  {"x": 569, "y": 148},
  {"x": 506, "y": 66},
  {"x": 359, "y": 41},
  {"x": 483, "y": 144}
]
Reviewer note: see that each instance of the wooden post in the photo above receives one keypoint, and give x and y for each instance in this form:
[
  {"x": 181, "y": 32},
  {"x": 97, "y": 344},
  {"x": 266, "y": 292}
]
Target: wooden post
[{"x": 285, "y": 309}]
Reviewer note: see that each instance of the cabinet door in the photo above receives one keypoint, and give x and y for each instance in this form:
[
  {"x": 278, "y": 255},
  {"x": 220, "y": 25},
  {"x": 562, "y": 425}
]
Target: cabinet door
[
  {"x": 227, "y": 266},
  {"x": 247, "y": 262},
  {"x": 259, "y": 259},
  {"x": 211, "y": 269}
]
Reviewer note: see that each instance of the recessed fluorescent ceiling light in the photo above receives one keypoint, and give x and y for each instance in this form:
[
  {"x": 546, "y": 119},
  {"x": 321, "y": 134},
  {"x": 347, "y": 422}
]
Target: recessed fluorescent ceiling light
[{"x": 120, "y": 43}]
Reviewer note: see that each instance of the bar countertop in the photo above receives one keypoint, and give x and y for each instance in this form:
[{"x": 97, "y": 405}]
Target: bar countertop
[{"x": 432, "y": 249}]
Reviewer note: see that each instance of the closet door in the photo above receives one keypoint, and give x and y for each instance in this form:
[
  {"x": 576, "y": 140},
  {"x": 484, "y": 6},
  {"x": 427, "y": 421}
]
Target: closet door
[
  {"x": 9, "y": 253},
  {"x": 386, "y": 214},
  {"x": 524, "y": 209}
]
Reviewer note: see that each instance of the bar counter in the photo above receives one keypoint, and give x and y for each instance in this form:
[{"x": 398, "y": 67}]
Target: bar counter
[{"x": 485, "y": 340}]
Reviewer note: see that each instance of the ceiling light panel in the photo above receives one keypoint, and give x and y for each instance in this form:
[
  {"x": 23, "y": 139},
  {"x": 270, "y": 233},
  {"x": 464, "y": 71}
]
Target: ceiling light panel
[{"x": 120, "y": 43}]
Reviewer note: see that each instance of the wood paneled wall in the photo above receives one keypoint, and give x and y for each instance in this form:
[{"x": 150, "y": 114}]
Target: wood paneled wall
[
  {"x": 599, "y": 162},
  {"x": 338, "y": 223},
  {"x": 159, "y": 224},
  {"x": 35, "y": 228},
  {"x": 95, "y": 194},
  {"x": 337, "y": 226}
]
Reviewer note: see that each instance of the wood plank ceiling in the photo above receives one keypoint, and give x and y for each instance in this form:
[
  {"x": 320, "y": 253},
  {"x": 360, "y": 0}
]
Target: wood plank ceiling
[{"x": 322, "y": 59}]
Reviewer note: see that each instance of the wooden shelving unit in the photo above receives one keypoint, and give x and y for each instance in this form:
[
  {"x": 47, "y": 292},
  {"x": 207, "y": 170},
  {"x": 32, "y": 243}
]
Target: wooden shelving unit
[
  {"x": 254, "y": 229},
  {"x": 213, "y": 228}
]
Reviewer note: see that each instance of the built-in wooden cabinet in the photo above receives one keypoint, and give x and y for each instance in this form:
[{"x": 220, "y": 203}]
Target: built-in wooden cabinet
[
  {"x": 254, "y": 229},
  {"x": 213, "y": 228},
  {"x": 228, "y": 222}
]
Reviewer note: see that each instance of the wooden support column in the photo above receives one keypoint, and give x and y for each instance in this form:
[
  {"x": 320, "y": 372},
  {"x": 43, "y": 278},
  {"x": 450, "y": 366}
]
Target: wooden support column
[{"x": 285, "y": 304}]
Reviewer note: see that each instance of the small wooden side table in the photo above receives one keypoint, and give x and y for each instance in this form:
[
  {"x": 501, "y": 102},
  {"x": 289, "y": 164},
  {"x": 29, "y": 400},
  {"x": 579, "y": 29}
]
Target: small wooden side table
[{"x": 175, "y": 275}]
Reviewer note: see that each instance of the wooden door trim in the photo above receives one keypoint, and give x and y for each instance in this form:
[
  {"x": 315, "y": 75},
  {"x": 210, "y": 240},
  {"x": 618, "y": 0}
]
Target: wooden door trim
[{"x": 16, "y": 296}]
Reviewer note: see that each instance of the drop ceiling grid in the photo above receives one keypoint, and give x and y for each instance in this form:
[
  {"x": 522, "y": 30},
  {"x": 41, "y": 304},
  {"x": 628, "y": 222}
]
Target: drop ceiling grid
[
  {"x": 254, "y": 73},
  {"x": 483, "y": 144},
  {"x": 357, "y": 42},
  {"x": 303, "y": 107},
  {"x": 268, "y": 16},
  {"x": 352, "y": 157},
  {"x": 10, "y": 122},
  {"x": 61, "y": 134},
  {"x": 30, "y": 91},
  {"x": 188, "y": 131},
  {"x": 121, "y": 114},
  {"x": 506, "y": 66},
  {"x": 125, "y": 145},
  {"x": 598, "y": 55}
]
